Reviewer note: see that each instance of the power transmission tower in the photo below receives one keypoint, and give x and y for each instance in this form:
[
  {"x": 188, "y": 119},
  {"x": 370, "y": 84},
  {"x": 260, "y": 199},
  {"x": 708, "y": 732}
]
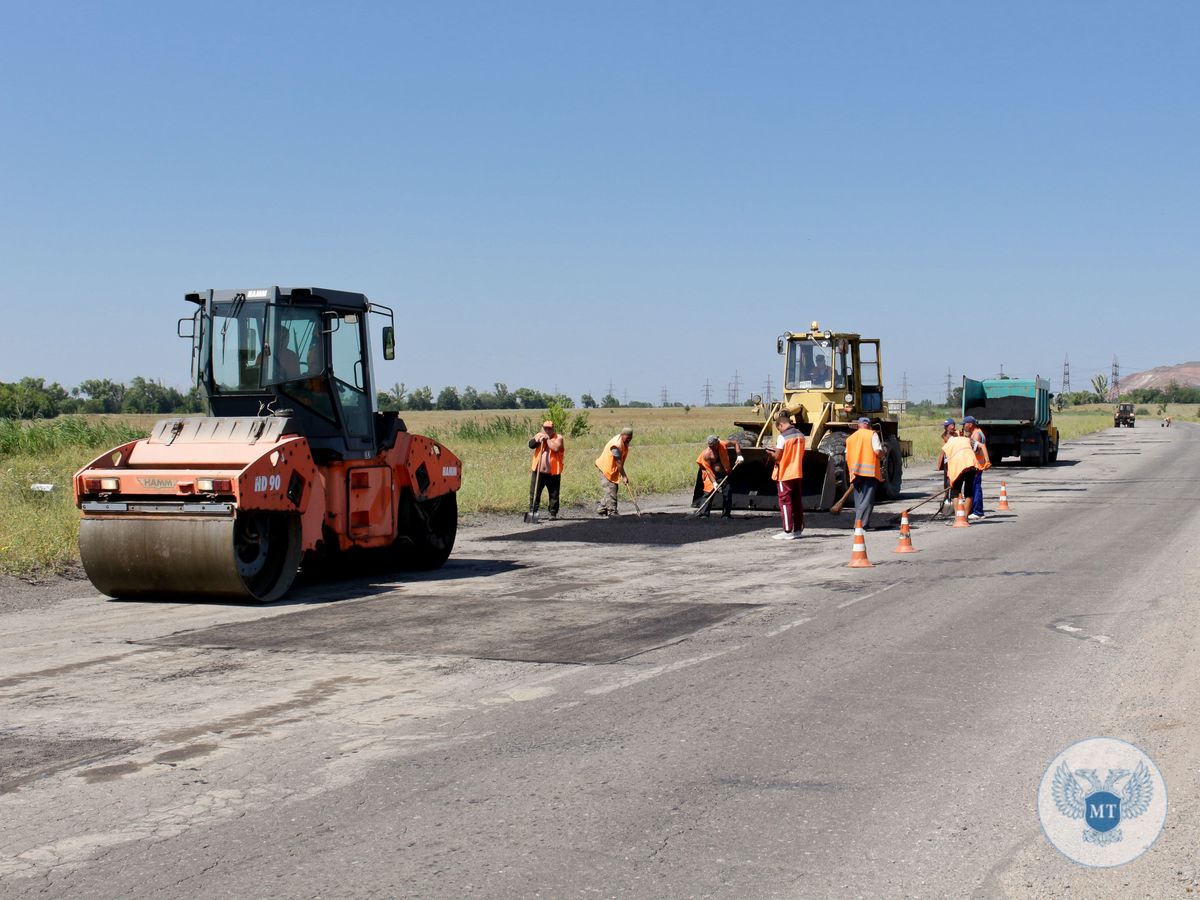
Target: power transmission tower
[
  {"x": 904, "y": 390},
  {"x": 663, "y": 396},
  {"x": 1116, "y": 378},
  {"x": 1066, "y": 382},
  {"x": 610, "y": 390},
  {"x": 707, "y": 392},
  {"x": 949, "y": 390},
  {"x": 735, "y": 388},
  {"x": 770, "y": 391}
]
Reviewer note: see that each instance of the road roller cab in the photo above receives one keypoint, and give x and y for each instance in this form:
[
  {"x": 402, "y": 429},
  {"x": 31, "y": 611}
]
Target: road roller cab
[{"x": 294, "y": 465}]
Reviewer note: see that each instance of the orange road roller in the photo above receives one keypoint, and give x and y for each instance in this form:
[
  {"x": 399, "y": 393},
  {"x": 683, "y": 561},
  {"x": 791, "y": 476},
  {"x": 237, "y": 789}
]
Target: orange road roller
[{"x": 294, "y": 466}]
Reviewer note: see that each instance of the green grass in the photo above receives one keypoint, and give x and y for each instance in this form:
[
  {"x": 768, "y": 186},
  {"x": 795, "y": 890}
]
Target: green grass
[{"x": 39, "y": 532}]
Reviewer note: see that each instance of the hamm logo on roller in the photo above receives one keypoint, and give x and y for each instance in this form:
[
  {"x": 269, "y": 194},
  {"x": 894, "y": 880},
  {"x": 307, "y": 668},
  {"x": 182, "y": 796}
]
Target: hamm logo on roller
[{"x": 157, "y": 484}]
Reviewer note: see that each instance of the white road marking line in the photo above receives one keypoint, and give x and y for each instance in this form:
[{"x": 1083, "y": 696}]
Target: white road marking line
[
  {"x": 868, "y": 596},
  {"x": 788, "y": 626},
  {"x": 627, "y": 680}
]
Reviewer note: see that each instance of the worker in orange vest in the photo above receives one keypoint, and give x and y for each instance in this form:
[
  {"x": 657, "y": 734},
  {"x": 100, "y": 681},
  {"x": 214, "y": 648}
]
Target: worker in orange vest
[
  {"x": 545, "y": 469},
  {"x": 865, "y": 459},
  {"x": 611, "y": 462},
  {"x": 983, "y": 462},
  {"x": 788, "y": 454},
  {"x": 715, "y": 468},
  {"x": 960, "y": 468}
]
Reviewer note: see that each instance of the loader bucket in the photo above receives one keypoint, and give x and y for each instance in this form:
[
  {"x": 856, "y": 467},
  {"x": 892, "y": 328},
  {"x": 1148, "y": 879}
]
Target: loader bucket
[{"x": 754, "y": 489}]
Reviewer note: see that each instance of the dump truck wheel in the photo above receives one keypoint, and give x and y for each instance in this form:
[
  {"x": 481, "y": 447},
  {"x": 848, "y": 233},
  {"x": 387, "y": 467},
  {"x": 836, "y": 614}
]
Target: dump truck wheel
[
  {"x": 430, "y": 527},
  {"x": 889, "y": 488}
]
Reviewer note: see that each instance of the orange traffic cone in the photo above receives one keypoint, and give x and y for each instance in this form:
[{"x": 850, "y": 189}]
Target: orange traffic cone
[
  {"x": 858, "y": 556},
  {"x": 1003, "y": 504},
  {"x": 960, "y": 513},
  {"x": 905, "y": 545}
]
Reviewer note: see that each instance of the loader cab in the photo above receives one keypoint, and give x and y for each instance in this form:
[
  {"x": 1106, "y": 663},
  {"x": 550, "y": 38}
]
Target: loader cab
[
  {"x": 301, "y": 349},
  {"x": 825, "y": 369}
]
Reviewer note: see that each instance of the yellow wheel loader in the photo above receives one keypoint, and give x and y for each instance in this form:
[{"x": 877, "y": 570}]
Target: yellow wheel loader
[{"x": 830, "y": 380}]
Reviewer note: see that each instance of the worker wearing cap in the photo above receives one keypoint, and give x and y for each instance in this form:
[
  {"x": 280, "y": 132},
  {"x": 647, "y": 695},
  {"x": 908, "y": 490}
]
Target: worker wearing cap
[
  {"x": 715, "y": 468},
  {"x": 611, "y": 462},
  {"x": 978, "y": 439},
  {"x": 959, "y": 458},
  {"x": 788, "y": 453},
  {"x": 865, "y": 459},
  {"x": 545, "y": 469}
]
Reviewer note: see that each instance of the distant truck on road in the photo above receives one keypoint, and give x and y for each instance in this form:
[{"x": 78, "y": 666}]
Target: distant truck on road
[
  {"x": 1124, "y": 416},
  {"x": 1015, "y": 416}
]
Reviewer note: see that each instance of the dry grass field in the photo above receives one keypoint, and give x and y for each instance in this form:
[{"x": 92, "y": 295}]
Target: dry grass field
[{"x": 38, "y": 531}]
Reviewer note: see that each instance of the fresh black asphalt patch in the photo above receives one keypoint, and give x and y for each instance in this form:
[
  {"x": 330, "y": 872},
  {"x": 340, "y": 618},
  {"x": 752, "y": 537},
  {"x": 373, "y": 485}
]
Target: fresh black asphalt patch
[
  {"x": 664, "y": 529},
  {"x": 542, "y": 630}
]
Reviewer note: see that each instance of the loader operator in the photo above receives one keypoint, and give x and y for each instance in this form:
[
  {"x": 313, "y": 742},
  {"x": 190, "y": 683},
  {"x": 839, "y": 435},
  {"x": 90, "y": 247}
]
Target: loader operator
[
  {"x": 865, "y": 460},
  {"x": 978, "y": 439},
  {"x": 788, "y": 453},
  {"x": 715, "y": 468},
  {"x": 545, "y": 469},
  {"x": 611, "y": 463},
  {"x": 960, "y": 468}
]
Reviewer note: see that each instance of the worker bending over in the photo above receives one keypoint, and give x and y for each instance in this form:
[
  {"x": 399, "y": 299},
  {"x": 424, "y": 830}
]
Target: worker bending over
[
  {"x": 611, "y": 462},
  {"x": 715, "y": 469},
  {"x": 960, "y": 468}
]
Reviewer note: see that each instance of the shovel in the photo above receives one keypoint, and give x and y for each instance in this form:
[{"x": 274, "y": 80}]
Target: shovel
[
  {"x": 633, "y": 497},
  {"x": 699, "y": 511},
  {"x": 531, "y": 517}
]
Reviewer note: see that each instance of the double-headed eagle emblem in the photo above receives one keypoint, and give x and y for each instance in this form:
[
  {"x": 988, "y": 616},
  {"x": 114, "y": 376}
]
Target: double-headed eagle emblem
[{"x": 1102, "y": 805}]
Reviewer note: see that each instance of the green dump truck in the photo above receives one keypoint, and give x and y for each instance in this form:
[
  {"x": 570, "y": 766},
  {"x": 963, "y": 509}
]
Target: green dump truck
[{"x": 1015, "y": 416}]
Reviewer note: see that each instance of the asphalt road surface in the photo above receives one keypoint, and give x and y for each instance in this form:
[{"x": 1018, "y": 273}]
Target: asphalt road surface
[{"x": 654, "y": 707}]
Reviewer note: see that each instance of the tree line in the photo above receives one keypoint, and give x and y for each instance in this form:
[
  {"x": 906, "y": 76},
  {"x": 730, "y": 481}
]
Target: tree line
[
  {"x": 401, "y": 397},
  {"x": 33, "y": 398}
]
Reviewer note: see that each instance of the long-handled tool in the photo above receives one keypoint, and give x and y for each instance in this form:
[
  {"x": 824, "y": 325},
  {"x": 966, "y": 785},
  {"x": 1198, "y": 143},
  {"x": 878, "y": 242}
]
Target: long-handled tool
[
  {"x": 531, "y": 517},
  {"x": 930, "y": 499},
  {"x": 700, "y": 510},
  {"x": 633, "y": 497},
  {"x": 837, "y": 507}
]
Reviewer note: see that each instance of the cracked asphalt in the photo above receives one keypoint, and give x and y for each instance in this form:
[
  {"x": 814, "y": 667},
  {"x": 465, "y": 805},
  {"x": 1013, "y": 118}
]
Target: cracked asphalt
[{"x": 660, "y": 707}]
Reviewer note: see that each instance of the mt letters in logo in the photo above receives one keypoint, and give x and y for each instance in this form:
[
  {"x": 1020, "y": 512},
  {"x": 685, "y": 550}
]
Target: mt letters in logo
[{"x": 1102, "y": 802}]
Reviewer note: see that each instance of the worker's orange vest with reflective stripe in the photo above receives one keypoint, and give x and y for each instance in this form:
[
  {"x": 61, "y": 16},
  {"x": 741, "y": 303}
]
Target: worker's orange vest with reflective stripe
[
  {"x": 556, "y": 458},
  {"x": 981, "y": 455},
  {"x": 789, "y": 459},
  {"x": 959, "y": 456},
  {"x": 710, "y": 477},
  {"x": 861, "y": 461},
  {"x": 607, "y": 464}
]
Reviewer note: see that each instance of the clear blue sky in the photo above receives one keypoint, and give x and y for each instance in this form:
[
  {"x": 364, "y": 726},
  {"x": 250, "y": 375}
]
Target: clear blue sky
[{"x": 564, "y": 194}]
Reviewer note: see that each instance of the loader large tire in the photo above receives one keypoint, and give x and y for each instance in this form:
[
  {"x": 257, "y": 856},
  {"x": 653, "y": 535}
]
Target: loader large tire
[
  {"x": 834, "y": 444},
  {"x": 889, "y": 488}
]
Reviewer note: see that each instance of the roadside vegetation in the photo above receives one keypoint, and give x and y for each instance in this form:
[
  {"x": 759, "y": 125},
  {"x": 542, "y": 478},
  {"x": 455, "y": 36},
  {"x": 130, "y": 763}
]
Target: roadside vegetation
[{"x": 39, "y": 530}]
